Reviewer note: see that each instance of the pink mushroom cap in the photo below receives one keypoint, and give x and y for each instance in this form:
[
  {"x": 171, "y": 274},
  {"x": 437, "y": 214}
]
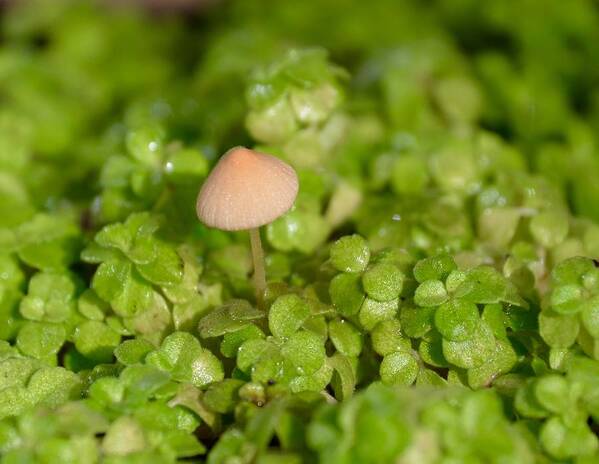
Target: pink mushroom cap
[{"x": 246, "y": 189}]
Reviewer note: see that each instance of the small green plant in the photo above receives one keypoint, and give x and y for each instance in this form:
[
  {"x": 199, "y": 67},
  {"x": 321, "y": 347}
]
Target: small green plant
[{"x": 428, "y": 286}]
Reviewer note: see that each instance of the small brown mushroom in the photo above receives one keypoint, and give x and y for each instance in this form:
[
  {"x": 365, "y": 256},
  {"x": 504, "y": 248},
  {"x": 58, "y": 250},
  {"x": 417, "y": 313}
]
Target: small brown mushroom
[{"x": 244, "y": 191}]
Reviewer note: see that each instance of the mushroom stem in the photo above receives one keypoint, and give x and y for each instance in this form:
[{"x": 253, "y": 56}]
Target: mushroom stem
[{"x": 258, "y": 258}]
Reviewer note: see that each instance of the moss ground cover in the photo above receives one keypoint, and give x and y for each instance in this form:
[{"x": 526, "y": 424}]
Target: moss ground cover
[{"x": 432, "y": 296}]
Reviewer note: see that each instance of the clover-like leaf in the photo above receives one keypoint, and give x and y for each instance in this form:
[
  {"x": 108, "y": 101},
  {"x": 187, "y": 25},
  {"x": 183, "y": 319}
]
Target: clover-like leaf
[
  {"x": 346, "y": 293},
  {"x": 350, "y": 254},
  {"x": 345, "y": 337},
  {"x": 559, "y": 331},
  {"x": 387, "y": 338},
  {"x": 117, "y": 282},
  {"x": 434, "y": 268},
  {"x": 48, "y": 242},
  {"x": 229, "y": 317},
  {"x": 184, "y": 358},
  {"x": 383, "y": 281},
  {"x": 50, "y": 297},
  {"x": 399, "y": 368},
  {"x": 372, "y": 312},
  {"x": 133, "y": 351},
  {"x": 166, "y": 267},
  {"x": 41, "y": 339},
  {"x": 134, "y": 237},
  {"x": 287, "y": 314},
  {"x": 473, "y": 351},
  {"x": 305, "y": 350},
  {"x": 344, "y": 377},
  {"x": 430, "y": 293},
  {"x": 96, "y": 340},
  {"x": 482, "y": 284},
  {"x": 457, "y": 320}
]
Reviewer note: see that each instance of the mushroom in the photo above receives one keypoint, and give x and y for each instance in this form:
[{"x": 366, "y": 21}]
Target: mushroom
[{"x": 246, "y": 190}]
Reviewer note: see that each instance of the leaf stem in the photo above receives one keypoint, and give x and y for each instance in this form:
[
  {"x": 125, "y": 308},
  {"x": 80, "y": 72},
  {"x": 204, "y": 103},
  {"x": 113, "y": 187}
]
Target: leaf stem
[{"x": 258, "y": 259}]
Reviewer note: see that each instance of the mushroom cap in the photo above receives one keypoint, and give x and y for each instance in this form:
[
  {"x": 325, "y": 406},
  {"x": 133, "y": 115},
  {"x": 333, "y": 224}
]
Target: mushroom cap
[{"x": 246, "y": 189}]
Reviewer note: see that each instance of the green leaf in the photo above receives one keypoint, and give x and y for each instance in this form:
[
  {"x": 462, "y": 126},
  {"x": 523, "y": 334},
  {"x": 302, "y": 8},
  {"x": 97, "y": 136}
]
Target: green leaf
[
  {"x": 133, "y": 351},
  {"x": 305, "y": 350},
  {"x": 497, "y": 226},
  {"x": 91, "y": 306},
  {"x": 558, "y": 331},
  {"x": 50, "y": 297},
  {"x": 457, "y": 320},
  {"x": 549, "y": 228},
  {"x": 48, "y": 242},
  {"x": 146, "y": 144},
  {"x": 590, "y": 316},
  {"x": 52, "y": 386},
  {"x": 454, "y": 280},
  {"x": 388, "y": 338},
  {"x": 233, "y": 340},
  {"x": 416, "y": 322},
  {"x": 185, "y": 164},
  {"x": 134, "y": 237},
  {"x": 345, "y": 337},
  {"x": 500, "y": 361},
  {"x": 346, "y": 293},
  {"x": 315, "y": 382},
  {"x": 299, "y": 230},
  {"x": 271, "y": 367},
  {"x": 570, "y": 271},
  {"x": 399, "y": 368},
  {"x": 286, "y": 315},
  {"x": 153, "y": 323},
  {"x": 344, "y": 378},
  {"x": 430, "y": 293},
  {"x": 273, "y": 124},
  {"x": 552, "y": 392},
  {"x": 383, "y": 282},
  {"x": 428, "y": 377},
  {"x": 471, "y": 352},
  {"x": 526, "y": 402},
  {"x": 350, "y": 254},
  {"x": 434, "y": 268},
  {"x": 497, "y": 320},
  {"x": 159, "y": 415},
  {"x": 125, "y": 436},
  {"x": 372, "y": 312},
  {"x": 454, "y": 167},
  {"x": 563, "y": 441},
  {"x": 184, "y": 358},
  {"x": 95, "y": 254},
  {"x": 222, "y": 397},
  {"x": 567, "y": 299},
  {"x": 14, "y": 401},
  {"x": 187, "y": 289},
  {"x": 230, "y": 317},
  {"x": 483, "y": 284},
  {"x": 409, "y": 175},
  {"x": 261, "y": 427},
  {"x": 15, "y": 372},
  {"x": 431, "y": 350},
  {"x": 228, "y": 446},
  {"x": 165, "y": 269},
  {"x": 187, "y": 315},
  {"x": 96, "y": 341},
  {"x": 11, "y": 275},
  {"x": 189, "y": 397},
  {"x": 184, "y": 445},
  {"x": 41, "y": 339},
  {"x": 251, "y": 351},
  {"x": 117, "y": 282}
]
